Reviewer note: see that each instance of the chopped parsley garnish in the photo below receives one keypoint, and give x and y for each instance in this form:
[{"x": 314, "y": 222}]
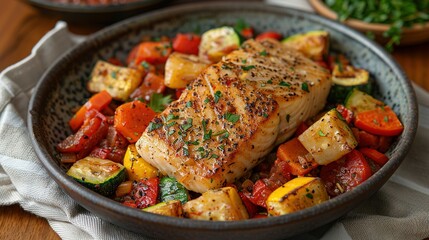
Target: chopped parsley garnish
[
  {"x": 263, "y": 53},
  {"x": 188, "y": 104},
  {"x": 171, "y": 117},
  {"x": 247, "y": 68},
  {"x": 214, "y": 156},
  {"x": 145, "y": 65},
  {"x": 309, "y": 195},
  {"x": 270, "y": 81},
  {"x": 322, "y": 134},
  {"x": 171, "y": 124},
  {"x": 186, "y": 125},
  {"x": 196, "y": 142},
  {"x": 185, "y": 150},
  {"x": 153, "y": 126},
  {"x": 243, "y": 61},
  {"x": 230, "y": 117},
  {"x": 171, "y": 132},
  {"x": 159, "y": 102},
  {"x": 265, "y": 115},
  {"x": 219, "y": 133},
  {"x": 217, "y": 96},
  {"x": 113, "y": 74},
  {"x": 386, "y": 119},
  {"x": 224, "y": 136},
  {"x": 206, "y": 100},
  {"x": 304, "y": 87},
  {"x": 284, "y": 84},
  {"x": 225, "y": 66}
]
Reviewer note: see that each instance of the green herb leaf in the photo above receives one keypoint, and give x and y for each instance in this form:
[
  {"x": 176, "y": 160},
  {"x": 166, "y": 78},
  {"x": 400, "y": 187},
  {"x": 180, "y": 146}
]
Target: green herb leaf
[
  {"x": 247, "y": 68},
  {"x": 189, "y": 104},
  {"x": 304, "y": 87},
  {"x": 322, "y": 134},
  {"x": 217, "y": 96},
  {"x": 159, "y": 102},
  {"x": 263, "y": 53},
  {"x": 186, "y": 125},
  {"x": 153, "y": 126},
  {"x": 309, "y": 195},
  {"x": 284, "y": 84},
  {"x": 233, "y": 118}
]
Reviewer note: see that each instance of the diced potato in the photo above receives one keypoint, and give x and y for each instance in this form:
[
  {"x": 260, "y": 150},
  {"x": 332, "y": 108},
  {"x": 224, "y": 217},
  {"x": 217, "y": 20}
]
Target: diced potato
[
  {"x": 181, "y": 69},
  {"x": 297, "y": 194},
  {"x": 329, "y": 138},
  {"x": 136, "y": 166},
  {"x": 171, "y": 208},
  {"x": 222, "y": 204},
  {"x": 120, "y": 82},
  {"x": 313, "y": 44}
]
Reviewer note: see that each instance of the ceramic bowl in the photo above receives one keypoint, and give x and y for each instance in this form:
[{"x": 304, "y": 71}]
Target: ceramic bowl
[
  {"x": 418, "y": 33},
  {"x": 63, "y": 88}
]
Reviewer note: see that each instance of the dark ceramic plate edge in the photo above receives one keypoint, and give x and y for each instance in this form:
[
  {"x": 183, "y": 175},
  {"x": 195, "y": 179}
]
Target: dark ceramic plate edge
[{"x": 330, "y": 206}]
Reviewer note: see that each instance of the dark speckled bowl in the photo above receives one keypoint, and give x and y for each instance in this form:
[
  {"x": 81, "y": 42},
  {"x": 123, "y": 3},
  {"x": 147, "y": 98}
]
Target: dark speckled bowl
[{"x": 62, "y": 89}]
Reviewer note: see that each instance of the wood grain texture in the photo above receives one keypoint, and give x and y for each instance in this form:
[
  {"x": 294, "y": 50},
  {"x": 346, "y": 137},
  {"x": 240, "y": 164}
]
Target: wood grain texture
[{"x": 21, "y": 27}]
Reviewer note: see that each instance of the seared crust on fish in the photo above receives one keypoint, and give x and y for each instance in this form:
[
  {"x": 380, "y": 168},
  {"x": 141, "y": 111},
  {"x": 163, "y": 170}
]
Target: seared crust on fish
[{"x": 234, "y": 114}]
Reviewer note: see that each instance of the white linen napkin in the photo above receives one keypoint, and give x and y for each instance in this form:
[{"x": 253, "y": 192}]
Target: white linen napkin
[{"x": 398, "y": 211}]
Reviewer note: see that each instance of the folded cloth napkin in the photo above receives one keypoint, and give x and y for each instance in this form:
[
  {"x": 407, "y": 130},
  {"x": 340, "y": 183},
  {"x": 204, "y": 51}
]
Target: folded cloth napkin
[{"x": 398, "y": 211}]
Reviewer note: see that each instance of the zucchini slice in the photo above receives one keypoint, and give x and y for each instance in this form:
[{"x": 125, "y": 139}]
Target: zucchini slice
[
  {"x": 358, "y": 101},
  {"x": 313, "y": 44},
  {"x": 329, "y": 138},
  {"x": 100, "y": 175},
  {"x": 171, "y": 208},
  {"x": 218, "y": 42}
]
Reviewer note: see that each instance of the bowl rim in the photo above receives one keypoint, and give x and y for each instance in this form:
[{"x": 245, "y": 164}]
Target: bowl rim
[
  {"x": 112, "y": 32},
  {"x": 321, "y": 8}
]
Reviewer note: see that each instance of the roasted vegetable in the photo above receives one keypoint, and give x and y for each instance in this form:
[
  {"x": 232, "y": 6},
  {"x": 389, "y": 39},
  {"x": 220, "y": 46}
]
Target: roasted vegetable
[
  {"x": 345, "y": 174},
  {"x": 132, "y": 118},
  {"x": 297, "y": 194},
  {"x": 136, "y": 166},
  {"x": 119, "y": 82},
  {"x": 181, "y": 69},
  {"x": 170, "y": 189},
  {"x": 358, "y": 101},
  {"x": 171, "y": 208},
  {"x": 299, "y": 160},
  {"x": 218, "y": 42},
  {"x": 222, "y": 204},
  {"x": 100, "y": 175},
  {"x": 346, "y": 77},
  {"x": 329, "y": 138},
  {"x": 313, "y": 44}
]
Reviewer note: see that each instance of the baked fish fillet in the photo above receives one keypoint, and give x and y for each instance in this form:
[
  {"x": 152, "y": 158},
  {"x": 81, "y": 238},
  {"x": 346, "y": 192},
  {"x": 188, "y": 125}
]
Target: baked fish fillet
[{"x": 234, "y": 114}]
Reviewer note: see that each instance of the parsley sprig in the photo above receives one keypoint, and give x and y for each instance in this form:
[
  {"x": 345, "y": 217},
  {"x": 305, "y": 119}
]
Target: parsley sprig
[{"x": 398, "y": 14}]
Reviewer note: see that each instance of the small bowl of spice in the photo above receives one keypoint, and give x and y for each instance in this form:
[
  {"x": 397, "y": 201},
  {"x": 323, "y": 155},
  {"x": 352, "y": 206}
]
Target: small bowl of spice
[{"x": 401, "y": 22}]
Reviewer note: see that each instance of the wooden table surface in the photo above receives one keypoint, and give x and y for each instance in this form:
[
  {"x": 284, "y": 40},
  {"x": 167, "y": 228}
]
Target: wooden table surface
[{"x": 21, "y": 27}]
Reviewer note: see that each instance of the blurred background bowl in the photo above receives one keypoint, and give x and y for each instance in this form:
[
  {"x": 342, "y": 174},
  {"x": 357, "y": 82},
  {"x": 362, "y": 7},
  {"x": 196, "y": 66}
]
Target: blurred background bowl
[
  {"x": 95, "y": 14},
  {"x": 418, "y": 33}
]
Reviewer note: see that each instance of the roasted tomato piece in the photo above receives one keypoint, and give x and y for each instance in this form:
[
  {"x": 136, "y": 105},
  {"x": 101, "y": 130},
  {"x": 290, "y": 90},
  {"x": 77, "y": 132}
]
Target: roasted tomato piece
[{"x": 345, "y": 174}]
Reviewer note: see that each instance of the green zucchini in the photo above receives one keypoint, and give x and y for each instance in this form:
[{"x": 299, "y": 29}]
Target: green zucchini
[
  {"x": 218, "y": 42},
  {"x": 346, "y": 77},
  {"x": 100, "y": 175},
  {"x": 171, "y": 189},
  {"x": 313, "y": 44},
  {"x": 329, "y": 138},
  {"x": 358, "y": 101},
  {"x": 171, "y": 208}
]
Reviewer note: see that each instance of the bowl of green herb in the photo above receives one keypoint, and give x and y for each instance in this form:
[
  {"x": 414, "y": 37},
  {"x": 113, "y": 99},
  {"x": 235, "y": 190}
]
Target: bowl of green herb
[{"x": 401, "y": 22}]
